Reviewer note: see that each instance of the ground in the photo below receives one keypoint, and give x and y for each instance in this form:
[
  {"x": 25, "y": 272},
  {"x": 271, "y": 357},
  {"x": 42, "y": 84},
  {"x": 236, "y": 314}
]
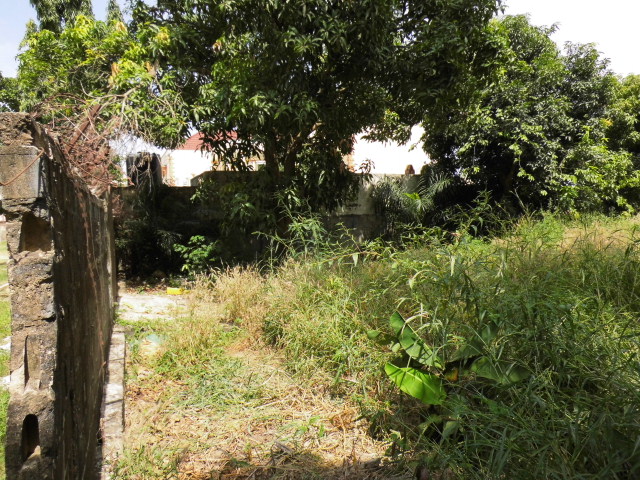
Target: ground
[
  {"x": 242, "y": 416},
  {"x": 5, "y": 345}
]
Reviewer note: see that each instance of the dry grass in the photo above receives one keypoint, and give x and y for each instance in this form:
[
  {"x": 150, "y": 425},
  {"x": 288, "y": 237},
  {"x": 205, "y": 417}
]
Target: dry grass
[
  {"x": 265, "y": 424},
  {"x": 602, "y": 233}
]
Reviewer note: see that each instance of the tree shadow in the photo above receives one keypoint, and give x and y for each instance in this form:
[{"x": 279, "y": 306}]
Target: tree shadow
[{"x": 286, "y": 463}]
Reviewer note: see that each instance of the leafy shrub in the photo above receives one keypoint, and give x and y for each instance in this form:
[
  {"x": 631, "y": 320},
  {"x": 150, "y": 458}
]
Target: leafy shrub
[
  {"x": 198, "y": 255},
  {"x": 601, "y": 180}
]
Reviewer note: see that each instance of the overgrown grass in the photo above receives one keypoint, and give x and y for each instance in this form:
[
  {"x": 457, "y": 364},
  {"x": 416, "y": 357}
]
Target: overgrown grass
[
  {"x": 5, "y": 331},
  {"x": 213, "y": 401},
  {"x": 566, "y": 298}
]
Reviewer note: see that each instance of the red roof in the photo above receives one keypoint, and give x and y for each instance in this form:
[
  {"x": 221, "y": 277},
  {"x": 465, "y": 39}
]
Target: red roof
[{"x": 195, "y": 142}]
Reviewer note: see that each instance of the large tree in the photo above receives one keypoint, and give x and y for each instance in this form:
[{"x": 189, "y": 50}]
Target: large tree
[
  {"x": 296, "y": 80},
  {"x": 623, "y": 132},
  {"x": 292, "y": 81},
  {"x": 54, "y": 15},
  {"x": 93, "y": 82},
  {"x": 511, "y": 132},
  {"x": 9, "y": 95}
]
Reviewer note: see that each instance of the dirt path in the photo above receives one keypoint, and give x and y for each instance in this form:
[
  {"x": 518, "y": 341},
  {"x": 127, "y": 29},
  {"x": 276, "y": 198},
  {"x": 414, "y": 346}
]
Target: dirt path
[{"x": 239, "y": 415}]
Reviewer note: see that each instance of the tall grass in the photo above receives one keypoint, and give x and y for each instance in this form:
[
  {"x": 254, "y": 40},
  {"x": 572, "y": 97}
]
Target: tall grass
[
  {"x": 566, "y": 298},
  {"x": 5, "y": 331}
]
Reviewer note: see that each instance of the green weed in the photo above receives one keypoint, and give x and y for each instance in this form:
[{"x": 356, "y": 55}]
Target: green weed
[
  {"x": 5, "y": 331},
  {"x": 147, "y": 462},
  {"x": 565, "y": 299}
]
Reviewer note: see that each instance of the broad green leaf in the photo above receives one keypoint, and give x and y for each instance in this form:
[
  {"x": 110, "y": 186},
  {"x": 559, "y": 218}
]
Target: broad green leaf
[
  {"x": 426, "y": 388},
  {"x": 397, "y": 323},
  {"x": 412, "y": 344},
  {"x": 373, "y": 334},
  {"x": 500, "y": 371}
]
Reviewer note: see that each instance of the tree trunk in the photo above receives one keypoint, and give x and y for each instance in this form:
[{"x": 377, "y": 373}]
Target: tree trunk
[
  {"x": 290, "y": 166},
  {"x": 507, "y": 181},
  {"x": 271, "y": 159}
]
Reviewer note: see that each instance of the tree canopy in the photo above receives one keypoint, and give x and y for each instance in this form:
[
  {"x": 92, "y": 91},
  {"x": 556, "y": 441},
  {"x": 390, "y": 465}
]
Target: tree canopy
[
  {"x": 532, "y": 123},
  {"x": 296, "y": 80},
  {"x": 54, "y": 15},
  {"x": 503, "y": 107},
  {"x": 292, "y": 81},
  {"x": 9, "y": 94},
  {"x": 623, "y": 131}
]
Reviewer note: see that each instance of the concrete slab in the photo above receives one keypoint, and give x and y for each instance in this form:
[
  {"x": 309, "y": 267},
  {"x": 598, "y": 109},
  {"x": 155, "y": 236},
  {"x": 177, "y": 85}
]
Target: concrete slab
[
  {"x": 112, "y": 421},
  {"x": 140, "y": 307}
]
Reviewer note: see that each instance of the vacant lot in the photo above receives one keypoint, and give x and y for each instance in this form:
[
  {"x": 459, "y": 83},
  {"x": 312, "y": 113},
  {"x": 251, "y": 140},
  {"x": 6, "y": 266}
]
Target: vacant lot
[{"x": 280, "y": 374}]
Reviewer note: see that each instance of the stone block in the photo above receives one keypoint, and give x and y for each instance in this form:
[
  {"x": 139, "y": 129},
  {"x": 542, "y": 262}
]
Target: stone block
[{"x": 20, "y": 173}]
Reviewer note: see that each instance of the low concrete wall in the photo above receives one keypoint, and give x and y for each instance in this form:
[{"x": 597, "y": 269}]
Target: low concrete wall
[{"x": 61, "y": 275}]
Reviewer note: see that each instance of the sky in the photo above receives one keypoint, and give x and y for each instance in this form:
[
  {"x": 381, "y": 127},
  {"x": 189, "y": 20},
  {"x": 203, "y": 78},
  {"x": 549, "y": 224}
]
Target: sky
[
  {"x": 14, "y": 15},
  {"x": 611, "y": 25}
]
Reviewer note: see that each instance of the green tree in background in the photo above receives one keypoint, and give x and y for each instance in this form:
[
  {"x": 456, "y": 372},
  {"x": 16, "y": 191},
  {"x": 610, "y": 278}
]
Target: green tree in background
[
  {"x": 623, "y": 132},
  {"x": 114, "y": 13},
  {"x": 54, "y": 15},
  {"x": 9, "y": 94},
  {"x": 510, "y": 132},
  {"x": 100, "y": 72},
  {"x": 291, "y": 81},
  {"x": 503, "y": 108},
  {"x": 296, "y": 80}
]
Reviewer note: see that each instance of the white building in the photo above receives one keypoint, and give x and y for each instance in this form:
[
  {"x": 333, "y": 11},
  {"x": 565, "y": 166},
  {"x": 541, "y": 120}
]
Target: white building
[
  {"x": 179, "y": 166},
  {"x": 390, "y": 157},
  {"x": 189, "y": 160}
]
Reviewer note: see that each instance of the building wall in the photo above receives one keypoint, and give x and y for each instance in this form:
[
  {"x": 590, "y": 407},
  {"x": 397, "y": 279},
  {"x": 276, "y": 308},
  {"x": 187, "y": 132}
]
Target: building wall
[
  {"x": 183, "y": 165},
  {"x": 359, "y": 216},
  {"x": 391, "y": 158}
]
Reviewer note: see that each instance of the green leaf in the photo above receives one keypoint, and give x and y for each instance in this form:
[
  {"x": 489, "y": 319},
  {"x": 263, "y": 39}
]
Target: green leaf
[
  {"x": 426, "y": 388},
  {"x": 500, "y": 371},
  {"x": 431, "y": 419},
  {"x": 412, "y": 344},
  {"x": 373, "y": 334},
  {"x": 397, "y": 323}
]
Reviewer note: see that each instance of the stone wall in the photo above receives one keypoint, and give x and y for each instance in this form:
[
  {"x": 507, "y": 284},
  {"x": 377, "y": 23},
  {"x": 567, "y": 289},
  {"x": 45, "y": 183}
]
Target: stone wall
[{"x": 61, "y": 275}]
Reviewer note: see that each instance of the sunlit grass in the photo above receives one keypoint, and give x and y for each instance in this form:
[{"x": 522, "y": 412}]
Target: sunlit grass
[
  {"x": 566, "y": 297},
  {"x": 5, "y": 331}
]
